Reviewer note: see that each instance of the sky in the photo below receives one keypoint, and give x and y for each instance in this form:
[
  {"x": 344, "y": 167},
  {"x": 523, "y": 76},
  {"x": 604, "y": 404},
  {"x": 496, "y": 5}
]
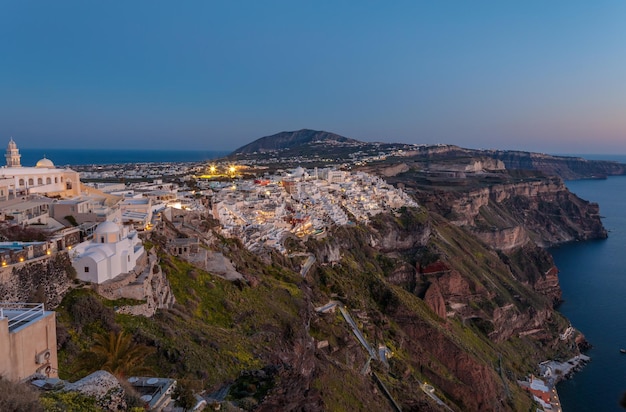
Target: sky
[{"x": 537, "y": 75}]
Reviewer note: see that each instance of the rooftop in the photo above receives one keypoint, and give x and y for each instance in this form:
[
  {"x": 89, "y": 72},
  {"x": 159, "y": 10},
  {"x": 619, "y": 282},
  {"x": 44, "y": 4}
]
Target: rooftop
[{"x": 22, "y": 314}]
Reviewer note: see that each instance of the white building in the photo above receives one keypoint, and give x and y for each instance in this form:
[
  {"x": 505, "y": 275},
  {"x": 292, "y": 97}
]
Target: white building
[
  {"x": 112, "y": 251},
  {"x": 44, "y": 178}
]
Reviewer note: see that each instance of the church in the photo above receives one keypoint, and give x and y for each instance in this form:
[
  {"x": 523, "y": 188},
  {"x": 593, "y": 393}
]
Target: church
[
  {"x": 44, "y": 178},
  {"x": 114, "y": 250}
]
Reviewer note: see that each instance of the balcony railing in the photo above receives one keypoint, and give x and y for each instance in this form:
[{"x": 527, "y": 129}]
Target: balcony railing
[{"x": 20, "y": 313}]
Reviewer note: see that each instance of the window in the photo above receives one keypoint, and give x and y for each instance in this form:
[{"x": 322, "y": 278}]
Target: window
[
  {"x": 48, "y": 180},
  {"x": 86, "y": 269},
  {"x": 56, "y": 180},
  {"x": 21, "y": 182},
  {"x": 40, "y": 181},
  {"x": 101, "y": 239},
  {"x": 128, "y": 258},
  {"x": 31, "y": 182}
]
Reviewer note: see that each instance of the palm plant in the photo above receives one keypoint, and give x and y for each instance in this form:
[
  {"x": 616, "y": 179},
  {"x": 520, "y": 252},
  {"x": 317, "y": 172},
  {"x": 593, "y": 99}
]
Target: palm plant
[{"x": 117, "y": 353}]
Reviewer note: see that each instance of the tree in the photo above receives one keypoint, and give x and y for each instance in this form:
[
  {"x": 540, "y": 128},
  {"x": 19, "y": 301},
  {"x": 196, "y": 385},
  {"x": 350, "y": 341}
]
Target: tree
[{"x": 117, "y": 353}]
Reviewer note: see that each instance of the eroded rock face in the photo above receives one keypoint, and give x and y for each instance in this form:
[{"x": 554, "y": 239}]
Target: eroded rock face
[
  {"x": 504, "y": 239},
  {"x": 506, "y": 216}
]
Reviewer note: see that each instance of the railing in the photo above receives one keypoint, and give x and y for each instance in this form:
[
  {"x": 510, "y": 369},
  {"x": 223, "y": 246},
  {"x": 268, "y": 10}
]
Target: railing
[{"x": 20, "y": 312}]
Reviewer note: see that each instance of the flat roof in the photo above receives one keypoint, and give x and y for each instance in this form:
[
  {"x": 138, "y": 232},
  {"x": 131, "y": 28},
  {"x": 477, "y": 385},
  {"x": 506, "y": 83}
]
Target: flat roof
[{"x": 22, "y": 314}]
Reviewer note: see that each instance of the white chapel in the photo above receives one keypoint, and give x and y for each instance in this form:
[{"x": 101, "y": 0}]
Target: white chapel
[{"x": 114, "y": 250}]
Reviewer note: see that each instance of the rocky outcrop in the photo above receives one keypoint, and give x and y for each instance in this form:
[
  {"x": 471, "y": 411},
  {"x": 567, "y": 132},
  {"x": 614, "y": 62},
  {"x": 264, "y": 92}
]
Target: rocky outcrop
[
  {"x": 103, "y": 386},
  {"x": 503, "y": 239},
  {"x": 150, "y": 285}
]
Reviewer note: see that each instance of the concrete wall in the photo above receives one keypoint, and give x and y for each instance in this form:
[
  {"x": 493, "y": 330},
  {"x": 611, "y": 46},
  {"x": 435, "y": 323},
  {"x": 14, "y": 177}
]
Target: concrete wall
[{"x": 18, "y": 350}]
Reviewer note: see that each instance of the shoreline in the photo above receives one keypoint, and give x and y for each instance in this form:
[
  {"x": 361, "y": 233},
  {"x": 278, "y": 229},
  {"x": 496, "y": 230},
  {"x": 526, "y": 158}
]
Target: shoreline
[{"x": 555, "y": 372}]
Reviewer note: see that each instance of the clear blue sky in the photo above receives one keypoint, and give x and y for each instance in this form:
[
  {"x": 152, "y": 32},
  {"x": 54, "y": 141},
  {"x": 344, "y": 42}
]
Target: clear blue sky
[{"x": 540, "y": 75}]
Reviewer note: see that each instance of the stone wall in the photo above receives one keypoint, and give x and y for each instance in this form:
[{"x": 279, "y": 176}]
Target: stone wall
[{"x": 45, "y": 280}]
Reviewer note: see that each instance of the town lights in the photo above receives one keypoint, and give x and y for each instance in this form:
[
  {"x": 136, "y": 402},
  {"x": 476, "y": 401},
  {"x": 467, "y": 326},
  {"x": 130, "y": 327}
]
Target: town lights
[
  {"x": 232, "y": 169},
  {"x": 212, "y": 169},
  {"x": 48, "y": 252},
  {"x": 4, "y": 263},
  {"x": 21, "y": 258}
]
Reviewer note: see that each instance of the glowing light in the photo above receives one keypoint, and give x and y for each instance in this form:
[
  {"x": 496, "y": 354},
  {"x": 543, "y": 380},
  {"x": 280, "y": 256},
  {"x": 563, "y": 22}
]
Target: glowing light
[
  {"x": 21, "y": 258},
  {"x": 232, "y": 169},
  {"x": 4, "y": 263},
  {"x": 212, "y": 169},
  {"x": 69, "y": 247},
  {"x": 48, "y": 252}
]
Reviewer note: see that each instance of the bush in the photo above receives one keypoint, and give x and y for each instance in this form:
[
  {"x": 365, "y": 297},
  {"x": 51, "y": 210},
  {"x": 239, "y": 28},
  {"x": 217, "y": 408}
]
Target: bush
[
  {"x": 87, "y": 310},
  {"x": 68, "y": 401},
  {"x": 18, "y": 397}
]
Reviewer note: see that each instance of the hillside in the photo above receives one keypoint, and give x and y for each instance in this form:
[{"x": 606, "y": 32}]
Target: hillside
[
  {"x": 458, "y": 293},
  {"x": 467, "y": 317}
]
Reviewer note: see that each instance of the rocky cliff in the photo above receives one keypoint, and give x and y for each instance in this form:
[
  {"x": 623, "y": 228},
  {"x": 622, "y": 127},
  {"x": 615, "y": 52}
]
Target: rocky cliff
[{"x": 564, "y": 166}]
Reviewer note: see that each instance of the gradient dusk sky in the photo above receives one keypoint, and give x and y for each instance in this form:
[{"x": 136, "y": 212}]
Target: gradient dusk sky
[{"x": 539, "y": 75}]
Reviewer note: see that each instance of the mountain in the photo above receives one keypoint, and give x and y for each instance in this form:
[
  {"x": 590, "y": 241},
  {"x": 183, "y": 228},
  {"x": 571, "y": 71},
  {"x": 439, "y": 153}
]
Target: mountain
[{"x": 297, "y": 139}]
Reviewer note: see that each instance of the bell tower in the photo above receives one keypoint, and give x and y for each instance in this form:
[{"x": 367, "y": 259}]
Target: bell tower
[{"x": 13, "y": 155}]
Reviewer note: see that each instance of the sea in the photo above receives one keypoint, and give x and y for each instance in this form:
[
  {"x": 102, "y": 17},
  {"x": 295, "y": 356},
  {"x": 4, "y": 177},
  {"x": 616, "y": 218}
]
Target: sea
[
  {"x": 593, "y": 279},
  {"x": 73, "y": 157}
]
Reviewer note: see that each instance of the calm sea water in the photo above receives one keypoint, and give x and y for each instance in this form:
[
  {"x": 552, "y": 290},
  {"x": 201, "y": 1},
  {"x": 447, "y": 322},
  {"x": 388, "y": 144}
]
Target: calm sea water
[
  {"x": 62, "y": 157},
  {"x": 593, "y": 279}
]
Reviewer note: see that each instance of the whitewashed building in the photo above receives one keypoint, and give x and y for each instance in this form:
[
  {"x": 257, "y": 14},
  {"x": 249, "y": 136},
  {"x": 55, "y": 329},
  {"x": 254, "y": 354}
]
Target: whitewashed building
[
  {"x": 114, "y": 250},
  {"x": 44, "y": 178}
]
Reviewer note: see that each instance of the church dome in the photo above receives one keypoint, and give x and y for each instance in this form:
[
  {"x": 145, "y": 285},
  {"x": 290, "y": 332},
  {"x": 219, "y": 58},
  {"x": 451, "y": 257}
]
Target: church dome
[
  {"x": 47, "y": 163},
  {"x": 107, "y": 227}
]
